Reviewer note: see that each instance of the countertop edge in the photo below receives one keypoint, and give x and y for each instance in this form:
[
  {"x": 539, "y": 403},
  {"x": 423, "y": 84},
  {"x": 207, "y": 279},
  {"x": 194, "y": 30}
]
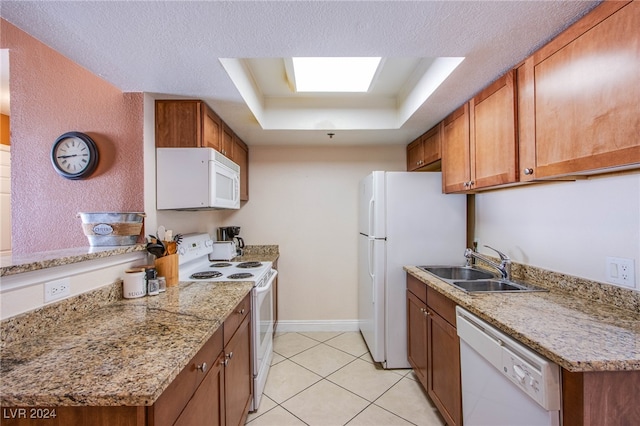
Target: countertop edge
[{"x": 18, "y": 264}]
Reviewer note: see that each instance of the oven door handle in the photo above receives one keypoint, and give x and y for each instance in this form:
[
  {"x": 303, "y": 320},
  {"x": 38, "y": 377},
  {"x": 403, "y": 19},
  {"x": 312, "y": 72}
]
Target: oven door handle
[{"x": 267, "y": 286}]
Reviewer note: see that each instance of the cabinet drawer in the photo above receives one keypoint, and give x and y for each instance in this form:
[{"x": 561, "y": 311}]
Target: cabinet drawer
[
  {"x": 172, "y": 401},
  {"x": 417, "y": 287},
  {"x": 442, "y": 305},
  {"x": 235, "y": 318}
]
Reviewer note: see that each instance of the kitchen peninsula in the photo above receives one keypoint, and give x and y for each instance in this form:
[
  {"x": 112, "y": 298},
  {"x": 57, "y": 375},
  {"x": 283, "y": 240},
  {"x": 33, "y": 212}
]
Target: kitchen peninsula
[{"x": 123, "y": 359}]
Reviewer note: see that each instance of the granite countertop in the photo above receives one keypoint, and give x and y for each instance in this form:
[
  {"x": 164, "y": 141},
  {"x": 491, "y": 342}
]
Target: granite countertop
[
  {"x": 576, "y": 333},
  {"x": 124, "y": 353},
  {"x": 17, "y": 264}
]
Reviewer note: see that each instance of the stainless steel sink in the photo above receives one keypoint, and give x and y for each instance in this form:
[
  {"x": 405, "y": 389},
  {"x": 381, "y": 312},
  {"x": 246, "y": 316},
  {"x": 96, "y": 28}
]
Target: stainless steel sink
[
  {"x": 486, "y": 286},
  {"x": 458, "y": 272},
  {"x": 474, "y": 280}
]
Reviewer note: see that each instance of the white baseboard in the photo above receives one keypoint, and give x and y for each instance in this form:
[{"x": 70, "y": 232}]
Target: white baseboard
[{"x": 286, "y": 326}]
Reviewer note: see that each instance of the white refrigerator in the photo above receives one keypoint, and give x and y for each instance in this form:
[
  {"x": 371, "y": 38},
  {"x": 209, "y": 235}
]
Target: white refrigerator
[{"x": 404, "y": 219}]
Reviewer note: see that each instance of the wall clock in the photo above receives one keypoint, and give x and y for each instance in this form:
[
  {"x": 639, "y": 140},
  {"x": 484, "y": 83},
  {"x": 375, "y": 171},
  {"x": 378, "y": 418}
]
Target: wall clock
[{"x": 74, "y": 155}]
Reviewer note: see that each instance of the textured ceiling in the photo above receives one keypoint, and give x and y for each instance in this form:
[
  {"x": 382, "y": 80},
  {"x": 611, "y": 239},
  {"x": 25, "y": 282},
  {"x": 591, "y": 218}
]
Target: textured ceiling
[{"x": 173, "y": 48}]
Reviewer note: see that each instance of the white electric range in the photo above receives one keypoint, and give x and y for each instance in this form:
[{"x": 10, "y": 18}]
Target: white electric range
[{"x": 195, "y": 265}]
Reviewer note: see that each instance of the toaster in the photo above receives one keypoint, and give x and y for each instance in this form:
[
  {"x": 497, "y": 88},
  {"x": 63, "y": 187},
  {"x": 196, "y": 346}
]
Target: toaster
[{"x": 223, "y": 250}]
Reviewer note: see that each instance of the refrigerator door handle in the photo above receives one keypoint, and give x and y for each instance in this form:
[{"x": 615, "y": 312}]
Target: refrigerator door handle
[
  {"x": 371, "y": 204},
  {"x": 370, "y": 269}
]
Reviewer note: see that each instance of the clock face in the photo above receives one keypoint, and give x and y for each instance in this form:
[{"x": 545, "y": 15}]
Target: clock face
[{"x": 74, "y": 155}]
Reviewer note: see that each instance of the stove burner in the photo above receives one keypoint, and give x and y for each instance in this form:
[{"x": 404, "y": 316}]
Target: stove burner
[
  {"x": 240, "y": 276},
  {"x": 220, "y": 265},
  {"x": 249, "y": 265},
  {"x": 205, "y": 275}
]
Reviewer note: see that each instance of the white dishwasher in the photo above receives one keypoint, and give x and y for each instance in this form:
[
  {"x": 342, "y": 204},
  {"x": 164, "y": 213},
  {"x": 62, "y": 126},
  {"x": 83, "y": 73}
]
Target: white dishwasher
[{"x": 504, "y": 382}]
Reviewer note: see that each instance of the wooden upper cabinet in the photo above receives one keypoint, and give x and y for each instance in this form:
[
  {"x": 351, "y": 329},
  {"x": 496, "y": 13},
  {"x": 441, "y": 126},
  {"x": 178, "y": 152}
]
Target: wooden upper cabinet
[
  {"x": 456, "y": 155},
  {"x": 415, "y": 155},
  {"x": 578, "y": 97},
  {"x": 493, "y": 134},
  {"x": 425, "y": 151},
  {"x": 178, "y": 123},
  {"x": 479, "y": 146},
  {"x": 212, "y": 128},
  {"x": 187, "y": 123},
  {"x": 226, "y": 145}
]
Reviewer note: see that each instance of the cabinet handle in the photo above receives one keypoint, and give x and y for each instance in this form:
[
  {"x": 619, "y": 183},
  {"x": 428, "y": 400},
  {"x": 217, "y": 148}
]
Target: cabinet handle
[
  {"x": 241, "y": 311},
  {"x": 229, "y": 355},
  {"x": 528, "y": 171},
  {"x": 202, "y": 367},
  {"x": 225, "y": 362}
]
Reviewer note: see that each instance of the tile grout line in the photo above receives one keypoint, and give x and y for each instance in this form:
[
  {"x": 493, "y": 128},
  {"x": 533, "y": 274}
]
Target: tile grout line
[{"x": 325, "y": 377}]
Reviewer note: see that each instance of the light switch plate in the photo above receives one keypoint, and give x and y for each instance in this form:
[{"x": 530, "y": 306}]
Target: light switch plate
[{"x": 621, "y": 271}]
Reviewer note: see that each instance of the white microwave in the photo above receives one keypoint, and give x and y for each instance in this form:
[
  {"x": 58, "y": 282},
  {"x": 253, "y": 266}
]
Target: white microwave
[{"x": 196, "y": 179}]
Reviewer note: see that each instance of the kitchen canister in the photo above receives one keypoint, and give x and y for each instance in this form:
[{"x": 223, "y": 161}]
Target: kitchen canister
[
  {"x": 134, "y": 283},
  {"x": 162, "y": 284},
  {"x": 153, "y": 287}
]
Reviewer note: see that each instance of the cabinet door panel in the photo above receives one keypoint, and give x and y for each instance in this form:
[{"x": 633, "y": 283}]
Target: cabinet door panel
[
  {"x": 212, "y": 129},
  {"x": 431, "y": 145},
  {"x": 206, "y": 407},
  {"x": 587, "y": 114},
  {"x": 238, "y": 375},
  {"x": 493, "y": 137},
  {"x": 415, "y": 154},
  {"x": 226, "y": 145},
  {"x": 455, "y": 151},
  {"x": 444, "y": 368},
  {"x": 178, "y": 124},
  {"x": 417, "y": 336}
]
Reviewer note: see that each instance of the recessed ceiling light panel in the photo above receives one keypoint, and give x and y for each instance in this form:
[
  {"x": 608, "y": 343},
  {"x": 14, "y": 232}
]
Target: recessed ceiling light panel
[{"x": 333, "y": 74}]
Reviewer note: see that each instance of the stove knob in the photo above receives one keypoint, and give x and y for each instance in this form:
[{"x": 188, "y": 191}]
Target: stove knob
[
  {"x": 208, "y": 243},
  {"x": 182, "y": 251}
]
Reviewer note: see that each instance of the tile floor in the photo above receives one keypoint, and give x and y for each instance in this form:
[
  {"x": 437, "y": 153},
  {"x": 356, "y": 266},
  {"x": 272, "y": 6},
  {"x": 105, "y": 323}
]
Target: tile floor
[{"x": 329, "y": 379}]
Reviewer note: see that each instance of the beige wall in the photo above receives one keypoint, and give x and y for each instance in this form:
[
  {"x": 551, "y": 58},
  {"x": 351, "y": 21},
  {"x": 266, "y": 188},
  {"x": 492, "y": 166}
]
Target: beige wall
[
  {"x": 567, "y": 227},
  {"x": 304, "y": 200}
]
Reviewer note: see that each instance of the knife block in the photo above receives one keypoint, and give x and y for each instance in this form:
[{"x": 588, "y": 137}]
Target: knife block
[{"x": 167, "y": 267}]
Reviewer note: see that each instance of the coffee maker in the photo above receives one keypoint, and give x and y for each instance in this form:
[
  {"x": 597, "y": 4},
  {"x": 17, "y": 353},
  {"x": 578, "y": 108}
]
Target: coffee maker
[{"x": 230, "y": 233}]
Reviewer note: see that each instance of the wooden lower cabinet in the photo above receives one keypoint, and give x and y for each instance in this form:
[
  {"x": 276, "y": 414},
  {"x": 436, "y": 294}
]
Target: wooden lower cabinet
[
  {"x": 224, "y": 393},
  {"x": 600, "y": 398},
  {"x": 238, "y": 375},
  {"x": 207, "y": 406},
  {"x": 416, "y": 337},
  {"x": 434, "y": 347},
  {"x": 214, "y": 389},
  {"x": 443, "y": 367}
]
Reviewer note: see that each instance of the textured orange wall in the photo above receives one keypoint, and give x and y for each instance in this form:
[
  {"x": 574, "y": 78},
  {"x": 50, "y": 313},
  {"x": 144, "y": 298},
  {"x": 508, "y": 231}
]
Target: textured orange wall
[
  {"x": 51, "y": 95},
  {"x": 4, "y": 130}
]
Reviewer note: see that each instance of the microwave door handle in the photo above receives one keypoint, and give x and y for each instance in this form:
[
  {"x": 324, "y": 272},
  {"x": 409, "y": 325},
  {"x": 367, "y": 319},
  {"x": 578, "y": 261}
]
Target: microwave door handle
[{"x": 236, "y": 187}]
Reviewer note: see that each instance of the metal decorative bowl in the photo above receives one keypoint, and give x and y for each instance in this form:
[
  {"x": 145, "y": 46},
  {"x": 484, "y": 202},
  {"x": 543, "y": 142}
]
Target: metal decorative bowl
[{"x": 112, "y": 228}]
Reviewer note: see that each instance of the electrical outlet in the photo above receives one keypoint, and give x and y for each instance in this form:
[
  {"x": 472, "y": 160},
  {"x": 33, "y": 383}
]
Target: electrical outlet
[
  {"x": 54, "y": 290},
  {"x": 621, "y": 271}
]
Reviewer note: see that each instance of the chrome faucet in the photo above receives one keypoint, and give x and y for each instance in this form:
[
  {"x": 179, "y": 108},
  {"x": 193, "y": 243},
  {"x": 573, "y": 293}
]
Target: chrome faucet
[{"x": 505, "y": 262}]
